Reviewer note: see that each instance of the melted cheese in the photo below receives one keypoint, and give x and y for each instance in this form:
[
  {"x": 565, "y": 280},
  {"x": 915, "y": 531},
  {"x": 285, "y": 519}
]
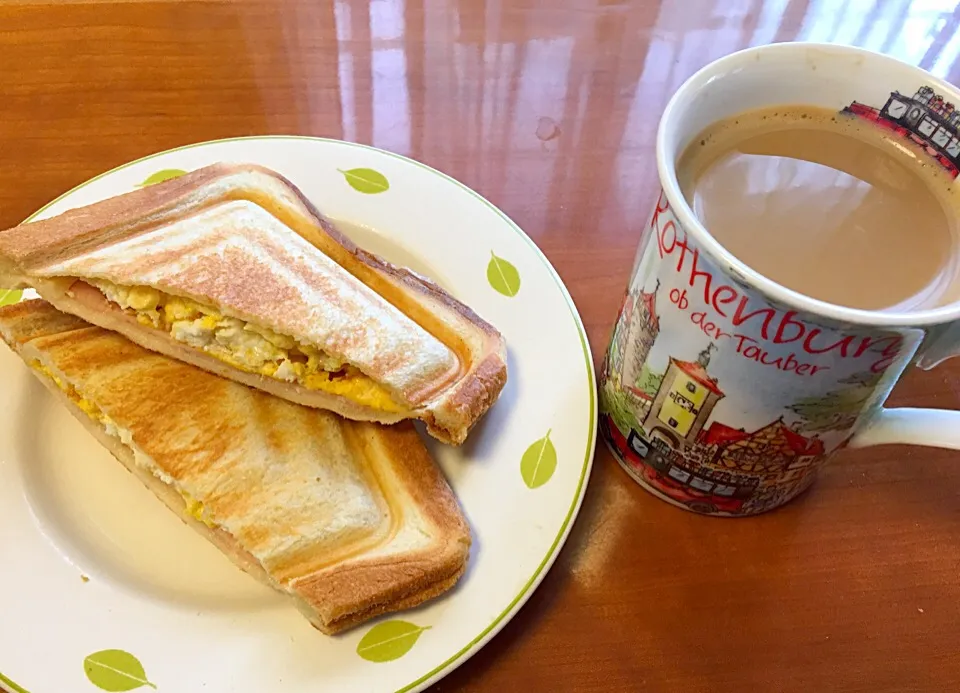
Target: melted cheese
[
  {"x": 85, "y": 405},
  {"x": 248, "y": 347},
  {"x": 192, "y": 506},
  {"x": 196, "y": 510}
]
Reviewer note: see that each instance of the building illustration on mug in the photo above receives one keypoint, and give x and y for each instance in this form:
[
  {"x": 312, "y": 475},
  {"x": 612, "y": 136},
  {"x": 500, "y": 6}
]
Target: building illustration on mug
[
  {"x": 924, "y": 118},
  {"x": 664, "y": 425}
]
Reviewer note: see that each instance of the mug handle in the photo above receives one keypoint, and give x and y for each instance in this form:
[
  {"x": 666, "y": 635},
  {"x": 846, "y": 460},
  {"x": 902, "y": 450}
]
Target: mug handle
[
  {"x": 938, "y": 428},
  {"x": 940, "y": 344}
]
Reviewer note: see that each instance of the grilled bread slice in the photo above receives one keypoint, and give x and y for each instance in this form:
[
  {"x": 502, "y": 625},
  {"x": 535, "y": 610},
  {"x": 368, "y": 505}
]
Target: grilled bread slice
[
  {"x": 349, "y": 519},
  {"x": 231, "y": 269}
]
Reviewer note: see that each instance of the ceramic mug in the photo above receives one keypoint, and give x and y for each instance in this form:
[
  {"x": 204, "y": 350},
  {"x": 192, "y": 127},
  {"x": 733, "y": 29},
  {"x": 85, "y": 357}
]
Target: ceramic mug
[{"x": 725, "y": 393}]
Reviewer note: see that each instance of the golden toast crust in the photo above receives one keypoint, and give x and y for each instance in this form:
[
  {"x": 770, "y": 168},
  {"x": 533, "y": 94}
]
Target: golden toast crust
[
  {"x": 339, "y": 583},
  {"x": 448, "y": 407}
]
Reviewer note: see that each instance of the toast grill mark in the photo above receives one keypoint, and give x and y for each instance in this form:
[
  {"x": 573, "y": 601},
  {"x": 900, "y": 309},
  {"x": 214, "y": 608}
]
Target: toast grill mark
[
  {"x": 192, "y": 506},
  {"x": 285, "y": 277},
  {"x": 439, "y": 361}
]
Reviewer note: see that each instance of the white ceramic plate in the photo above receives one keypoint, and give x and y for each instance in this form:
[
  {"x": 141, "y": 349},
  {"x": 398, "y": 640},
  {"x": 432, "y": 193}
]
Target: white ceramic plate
[{"x": 102, "y": 588}]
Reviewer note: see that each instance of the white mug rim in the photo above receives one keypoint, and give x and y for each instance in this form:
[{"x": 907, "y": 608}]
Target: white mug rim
[{"x": 666, "y": 169}]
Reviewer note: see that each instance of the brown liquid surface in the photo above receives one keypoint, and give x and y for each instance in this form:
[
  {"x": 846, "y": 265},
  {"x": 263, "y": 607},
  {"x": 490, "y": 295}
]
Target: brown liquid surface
[{"x": 829, "y": 205}]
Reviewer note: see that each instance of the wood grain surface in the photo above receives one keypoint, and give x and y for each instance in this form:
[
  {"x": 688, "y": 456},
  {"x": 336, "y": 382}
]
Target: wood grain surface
[{"x": 549, "y": 109}]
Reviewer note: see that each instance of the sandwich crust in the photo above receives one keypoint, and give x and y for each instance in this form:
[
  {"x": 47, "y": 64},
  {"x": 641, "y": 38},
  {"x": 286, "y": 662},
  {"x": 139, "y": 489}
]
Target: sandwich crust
[
  {"x": 349, "y": 519},
  {"x": 443, "y": 362}
]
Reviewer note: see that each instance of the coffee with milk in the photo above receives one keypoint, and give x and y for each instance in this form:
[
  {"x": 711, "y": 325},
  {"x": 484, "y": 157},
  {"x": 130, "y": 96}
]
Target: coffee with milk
[{"x": 829, "y": 205}]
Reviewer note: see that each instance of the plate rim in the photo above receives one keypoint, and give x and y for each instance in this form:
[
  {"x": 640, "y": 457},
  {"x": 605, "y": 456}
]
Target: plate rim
[{"x": 507, "y": 614}]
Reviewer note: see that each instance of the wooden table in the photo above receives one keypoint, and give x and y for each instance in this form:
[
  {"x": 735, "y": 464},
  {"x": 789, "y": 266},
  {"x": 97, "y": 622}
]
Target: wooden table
[{"x": 549, "y": 109}]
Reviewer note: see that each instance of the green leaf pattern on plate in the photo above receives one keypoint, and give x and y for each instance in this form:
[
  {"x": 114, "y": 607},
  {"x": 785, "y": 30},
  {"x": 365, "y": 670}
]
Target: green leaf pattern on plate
[
  {"x": 539, "y": 462},
  {"x": 8, "y": 296},
  {"x": 366, "y": 180},
  {"x": 115, "y": 670},
  {"x": 160, "y": 176},
  {"x": 11, "y": 685},
  {"x": 389, "y": 640},
  {"x": 503, "y": 276}
]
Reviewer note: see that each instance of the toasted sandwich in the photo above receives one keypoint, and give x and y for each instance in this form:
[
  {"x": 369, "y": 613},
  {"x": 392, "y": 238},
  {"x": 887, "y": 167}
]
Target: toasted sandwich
[
  {"x": 231, "y": 269},
  {"x": 349, "y": 519}
]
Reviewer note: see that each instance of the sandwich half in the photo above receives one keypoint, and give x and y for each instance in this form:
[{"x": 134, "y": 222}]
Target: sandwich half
[
  {"x": 231, "y": 269},
  {"x": 349, "y": 519}
]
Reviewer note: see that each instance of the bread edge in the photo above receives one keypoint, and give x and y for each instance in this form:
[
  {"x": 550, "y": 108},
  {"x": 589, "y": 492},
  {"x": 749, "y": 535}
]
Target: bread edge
[
  {"x": 351, "y": 593},
  {"x": 419, "y": 573},
  {"x": 448, "y": 416}
]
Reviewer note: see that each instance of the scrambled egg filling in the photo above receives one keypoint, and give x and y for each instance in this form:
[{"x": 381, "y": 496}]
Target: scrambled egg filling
[
  {"x": 249, "y": 347},
  {"x": 85, "y": 405},
  {"x": 193, "y": 507}
]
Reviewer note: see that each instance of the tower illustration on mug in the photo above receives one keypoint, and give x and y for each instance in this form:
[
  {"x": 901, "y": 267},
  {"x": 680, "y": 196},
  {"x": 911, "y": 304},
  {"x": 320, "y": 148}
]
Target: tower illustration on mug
[{"x": 664, "y": 424}]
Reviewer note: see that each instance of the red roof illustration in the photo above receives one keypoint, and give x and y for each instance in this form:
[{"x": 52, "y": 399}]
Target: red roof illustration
[
  {"x": 798, "y": 443},
  {"x": 638, "y": 393},
  {"x": 698, "y": 373},
  {"x": 721, "y": 434}
]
